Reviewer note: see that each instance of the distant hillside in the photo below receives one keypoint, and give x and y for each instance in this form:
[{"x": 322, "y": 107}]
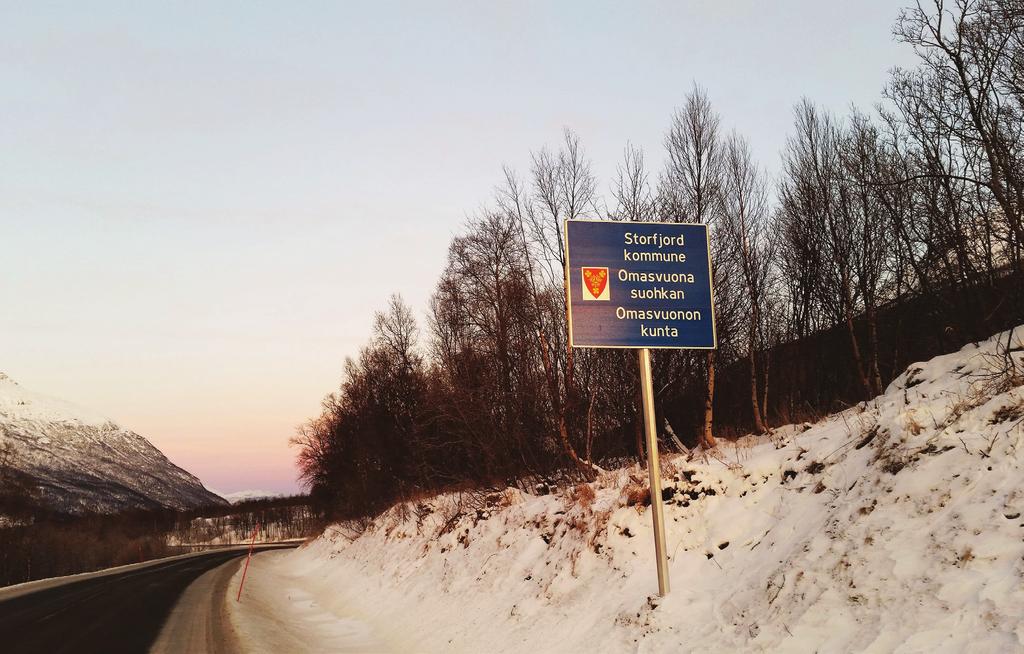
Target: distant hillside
[
  {"x": 247, "y": 495},
  {"x": 79, "y": 461}
]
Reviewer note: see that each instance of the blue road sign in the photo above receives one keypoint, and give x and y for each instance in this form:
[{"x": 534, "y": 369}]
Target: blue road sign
[{"x": 636, "y": 285}]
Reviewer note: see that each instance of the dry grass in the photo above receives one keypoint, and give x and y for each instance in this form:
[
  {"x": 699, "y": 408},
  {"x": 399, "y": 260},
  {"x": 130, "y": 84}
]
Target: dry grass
[
  {"x": 742, "y": 447},
  {"x": 1008, "y": 413},
  {"x": 600, "y": 527},
  {"x": 913, "y": 426},
  {"x": 668, "y": 466},
  {"x": 976, "y": 396},
  {"x": 637, "y": 494},
  {"x": 913, "y": 378},
  {"x": 583, "y": 496},
  {"x": 509, "y": 497}
]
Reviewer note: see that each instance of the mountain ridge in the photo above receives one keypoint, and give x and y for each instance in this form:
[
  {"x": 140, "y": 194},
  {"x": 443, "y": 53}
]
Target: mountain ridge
[{"x": 80, "y": 461}]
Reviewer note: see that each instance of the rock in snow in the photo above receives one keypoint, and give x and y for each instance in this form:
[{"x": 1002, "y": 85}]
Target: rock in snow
[
  {"x": 81, "y": 461},
  {"x": 894, "y": 526}
]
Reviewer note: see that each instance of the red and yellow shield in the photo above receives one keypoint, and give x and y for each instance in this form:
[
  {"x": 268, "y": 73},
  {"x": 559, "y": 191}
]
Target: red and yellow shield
[{"x": 595, "y": 281}]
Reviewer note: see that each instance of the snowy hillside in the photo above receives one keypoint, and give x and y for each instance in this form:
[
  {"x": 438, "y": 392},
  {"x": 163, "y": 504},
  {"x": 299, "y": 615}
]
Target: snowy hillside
[
  {"x": 247, "y": 495},
  {"x": 893, "y": 526},
  {"x": 81, "y": 461}
]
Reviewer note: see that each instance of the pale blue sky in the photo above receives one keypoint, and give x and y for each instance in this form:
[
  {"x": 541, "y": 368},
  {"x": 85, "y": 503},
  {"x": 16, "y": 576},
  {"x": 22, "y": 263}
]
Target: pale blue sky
[{"x": 202, "y": 204}]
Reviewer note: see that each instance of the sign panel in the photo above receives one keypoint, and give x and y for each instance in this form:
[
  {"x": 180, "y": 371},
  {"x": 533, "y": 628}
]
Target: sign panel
[{"x": 639, "y": 285}]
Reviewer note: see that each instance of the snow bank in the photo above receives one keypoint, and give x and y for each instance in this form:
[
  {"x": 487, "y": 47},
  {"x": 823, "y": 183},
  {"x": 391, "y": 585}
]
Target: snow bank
[
  {"x": 893, "y": 526},
  {"x": 277, "y": 613}
]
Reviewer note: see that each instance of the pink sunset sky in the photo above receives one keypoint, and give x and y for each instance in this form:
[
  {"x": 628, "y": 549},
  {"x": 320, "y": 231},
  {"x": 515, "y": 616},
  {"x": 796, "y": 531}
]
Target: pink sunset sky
[{"x": 202, "y": 205}]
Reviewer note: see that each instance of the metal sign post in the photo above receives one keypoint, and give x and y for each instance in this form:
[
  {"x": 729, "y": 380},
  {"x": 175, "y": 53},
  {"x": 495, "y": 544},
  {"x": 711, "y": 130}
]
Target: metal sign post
[
  {"x": 654, "y": 470},
  {"x": 641, "y": 285}
]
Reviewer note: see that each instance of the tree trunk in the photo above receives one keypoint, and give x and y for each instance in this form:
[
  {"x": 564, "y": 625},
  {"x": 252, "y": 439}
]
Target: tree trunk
[
  {"x": 876, "y": 376},
  {"x": 560, "y": 408},
  {"x": 588, "y": 450},
  {"x": 639, "y": 425},
  {"x": 764, "y": 396},
  {"x": 858, "y": 360},
  {"x": 755, "y": 404},
  {"x": 706, "y": 437}
]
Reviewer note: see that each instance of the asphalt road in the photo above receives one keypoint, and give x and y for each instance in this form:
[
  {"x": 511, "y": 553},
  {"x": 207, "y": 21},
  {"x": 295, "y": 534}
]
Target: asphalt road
[
  {"x": 199, "y": 621},
  {"x": 119, "y": 612}
]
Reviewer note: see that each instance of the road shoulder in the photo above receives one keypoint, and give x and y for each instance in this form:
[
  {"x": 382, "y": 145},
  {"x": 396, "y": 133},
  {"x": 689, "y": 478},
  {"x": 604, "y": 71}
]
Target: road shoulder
[
  {"x": 278, "y": 614},
  {"x": 199, "y": 621}
]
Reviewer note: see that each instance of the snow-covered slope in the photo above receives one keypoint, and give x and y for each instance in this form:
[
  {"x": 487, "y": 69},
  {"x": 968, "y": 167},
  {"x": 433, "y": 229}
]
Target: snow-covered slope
[
  {"x": 895, "y": 526},
  {"x": 81, "y": 461}
]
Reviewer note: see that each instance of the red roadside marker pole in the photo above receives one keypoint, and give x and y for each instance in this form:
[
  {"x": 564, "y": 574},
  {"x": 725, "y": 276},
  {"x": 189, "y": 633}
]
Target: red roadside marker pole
[{"x": 247, "y": 559}]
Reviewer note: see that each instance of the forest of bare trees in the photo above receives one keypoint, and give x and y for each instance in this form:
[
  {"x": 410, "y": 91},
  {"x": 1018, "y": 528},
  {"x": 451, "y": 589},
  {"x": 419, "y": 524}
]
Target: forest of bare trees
[
  {"x": 887, "y": 236},
  {"x": 38, "y": 543}
]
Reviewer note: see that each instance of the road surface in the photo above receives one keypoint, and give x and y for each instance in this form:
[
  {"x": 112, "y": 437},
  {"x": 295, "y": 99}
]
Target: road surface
[{"x": 126, "y": 611}]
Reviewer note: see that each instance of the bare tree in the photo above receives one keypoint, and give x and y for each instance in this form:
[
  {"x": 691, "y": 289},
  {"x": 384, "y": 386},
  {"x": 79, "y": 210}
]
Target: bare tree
[
  {"x": 865, "y": 160},
  {"x": 969, "y": 82},
  {"x": 690, "y": 189},
  {"x": 823, "y": 232},
  {"x": 632, "y": 189},
  {"x": 395, "y": 329},
  {"x": 564, "y": 188},
  {"x": 743, "y": 222},
  {"x": 910, "y": 217}
]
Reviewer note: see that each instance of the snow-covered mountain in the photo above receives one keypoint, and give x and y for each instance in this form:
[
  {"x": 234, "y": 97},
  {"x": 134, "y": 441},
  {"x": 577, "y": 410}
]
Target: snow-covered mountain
[
  {"x": 81, "y": 461},
  {"x": 246, "y": 495}
]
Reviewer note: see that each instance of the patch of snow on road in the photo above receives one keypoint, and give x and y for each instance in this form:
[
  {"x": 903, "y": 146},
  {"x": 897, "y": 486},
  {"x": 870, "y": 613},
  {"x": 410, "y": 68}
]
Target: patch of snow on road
[{"x": 894, "y": 526}]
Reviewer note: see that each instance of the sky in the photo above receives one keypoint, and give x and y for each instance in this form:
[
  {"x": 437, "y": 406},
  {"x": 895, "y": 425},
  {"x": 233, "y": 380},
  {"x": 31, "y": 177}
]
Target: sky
[{"x": 202, "y": 205}]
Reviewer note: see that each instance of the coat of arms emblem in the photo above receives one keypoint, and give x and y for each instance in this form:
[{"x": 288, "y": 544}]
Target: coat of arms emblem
[{"x": 595, "y": 284}]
